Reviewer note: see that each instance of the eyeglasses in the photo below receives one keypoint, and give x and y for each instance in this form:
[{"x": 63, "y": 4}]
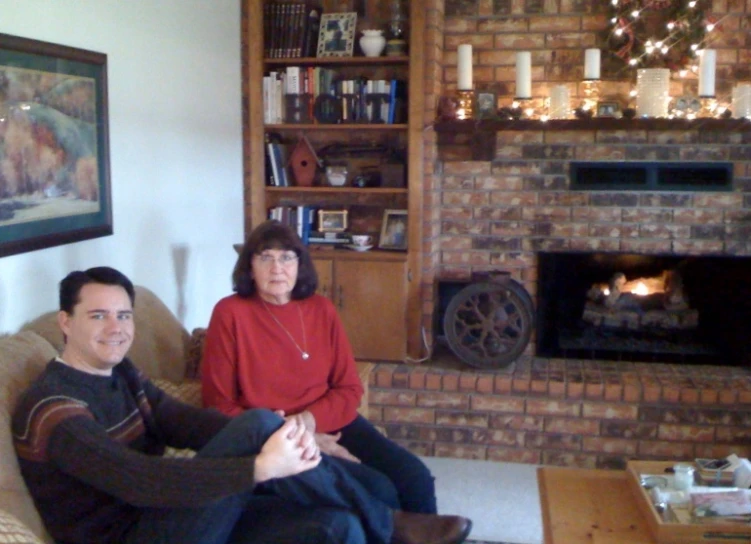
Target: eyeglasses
[{"x": 287, "y": 259}]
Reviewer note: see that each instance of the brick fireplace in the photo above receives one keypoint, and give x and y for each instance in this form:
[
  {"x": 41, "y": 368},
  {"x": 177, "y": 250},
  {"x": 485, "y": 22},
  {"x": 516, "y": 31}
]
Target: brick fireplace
[{"x": 501, "y": 211}]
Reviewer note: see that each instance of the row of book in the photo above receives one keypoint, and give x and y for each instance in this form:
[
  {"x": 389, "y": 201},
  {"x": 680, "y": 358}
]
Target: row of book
[
  {"x": 303, "y": 219},
  {"x": 278, "y": 173},
  {"x": 290, "y": 29},
  {"x": 361, "y": 99}
]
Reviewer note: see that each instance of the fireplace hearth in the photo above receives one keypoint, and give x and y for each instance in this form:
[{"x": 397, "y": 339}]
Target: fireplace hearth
[{"x": 704, "y": 316}]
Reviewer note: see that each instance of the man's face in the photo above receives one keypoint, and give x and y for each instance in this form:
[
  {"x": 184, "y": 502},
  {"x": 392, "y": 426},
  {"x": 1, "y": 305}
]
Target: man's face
[{"x": 100, "y": 330}]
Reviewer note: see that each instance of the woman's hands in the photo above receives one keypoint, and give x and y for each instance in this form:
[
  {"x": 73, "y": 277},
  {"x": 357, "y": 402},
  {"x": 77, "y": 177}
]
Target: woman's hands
[
  {"x": 327, "y": 443},
  {"x": 292, "y": 449}
]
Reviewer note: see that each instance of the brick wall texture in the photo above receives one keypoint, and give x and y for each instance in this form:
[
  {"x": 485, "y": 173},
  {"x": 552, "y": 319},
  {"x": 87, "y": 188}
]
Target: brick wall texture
[
  {"x": 498, "y": 213},
  {"x": 570, "y": 413}
]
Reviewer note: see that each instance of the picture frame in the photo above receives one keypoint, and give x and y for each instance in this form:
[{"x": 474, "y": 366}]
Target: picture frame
[
  {"x": 336, "y": 37},
  {"x": 394, "y": 230},
  {"x": 608, "y": 108},
  {"x": 332, "y": 220},
  {"x": 486, "y": 104},
  {"x": 54, "y": 145}
]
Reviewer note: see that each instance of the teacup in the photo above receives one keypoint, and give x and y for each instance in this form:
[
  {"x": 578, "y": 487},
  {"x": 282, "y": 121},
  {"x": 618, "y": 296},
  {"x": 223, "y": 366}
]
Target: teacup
[{"x": 362, "y": 240}]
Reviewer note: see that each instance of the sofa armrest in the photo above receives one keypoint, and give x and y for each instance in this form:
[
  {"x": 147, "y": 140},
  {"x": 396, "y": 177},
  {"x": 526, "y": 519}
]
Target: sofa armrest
[{"x": 13, "y": 530}]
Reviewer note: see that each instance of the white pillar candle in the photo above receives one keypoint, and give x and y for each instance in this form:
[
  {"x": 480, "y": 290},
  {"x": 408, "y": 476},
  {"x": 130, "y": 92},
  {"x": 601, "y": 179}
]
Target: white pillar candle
[
  {"x": 707, "y": 66},
  {"x": 524, "y": 74},
  {"x": 742, "y": 101},
  {"x": 592, "y": 64},
  {"x": 464, "y": 67}
]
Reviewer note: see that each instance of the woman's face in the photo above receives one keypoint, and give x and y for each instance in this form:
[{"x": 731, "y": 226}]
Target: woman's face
[{"x": 274, "y": 272}]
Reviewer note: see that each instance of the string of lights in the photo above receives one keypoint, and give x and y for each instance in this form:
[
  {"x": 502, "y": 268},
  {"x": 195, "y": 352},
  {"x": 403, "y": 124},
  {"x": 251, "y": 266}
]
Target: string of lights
[{"x": 657, "y": 33}]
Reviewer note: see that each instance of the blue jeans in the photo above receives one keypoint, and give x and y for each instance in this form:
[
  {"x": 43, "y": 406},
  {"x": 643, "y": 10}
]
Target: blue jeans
[
  {"x": 413, "y": 480},
  {"x": 332, "y": 503}
]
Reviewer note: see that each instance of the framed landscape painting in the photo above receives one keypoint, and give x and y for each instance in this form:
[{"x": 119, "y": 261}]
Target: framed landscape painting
[{"x": 54, "y": 145}]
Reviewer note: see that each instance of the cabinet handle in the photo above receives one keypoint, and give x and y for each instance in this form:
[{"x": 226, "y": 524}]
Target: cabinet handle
[{"x": 341, "y": 298}]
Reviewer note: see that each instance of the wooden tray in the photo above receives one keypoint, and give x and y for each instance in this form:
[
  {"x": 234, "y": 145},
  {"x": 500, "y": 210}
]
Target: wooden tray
[{"x": 673, "y": 532}]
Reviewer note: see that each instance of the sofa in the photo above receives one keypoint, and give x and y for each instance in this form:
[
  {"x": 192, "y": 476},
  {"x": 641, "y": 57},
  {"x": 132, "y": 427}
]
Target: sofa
[{"x": 163, "y": 349}]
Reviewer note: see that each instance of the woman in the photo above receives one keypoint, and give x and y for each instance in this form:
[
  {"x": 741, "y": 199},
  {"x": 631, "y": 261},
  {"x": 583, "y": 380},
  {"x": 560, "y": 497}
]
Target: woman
[{"x": 277, "y": 344}]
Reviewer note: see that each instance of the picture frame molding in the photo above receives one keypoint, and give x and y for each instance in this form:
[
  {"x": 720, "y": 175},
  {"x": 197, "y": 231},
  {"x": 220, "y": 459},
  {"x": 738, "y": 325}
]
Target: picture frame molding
[
  {"x": 349, "y": 20},
  {"x": 27, "y": 57},
  {"x": 385, "y": 240}
]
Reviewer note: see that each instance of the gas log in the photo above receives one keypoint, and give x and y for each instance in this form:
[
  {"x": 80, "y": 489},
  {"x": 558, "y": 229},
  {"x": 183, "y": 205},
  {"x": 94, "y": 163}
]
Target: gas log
[{"x": 644, "y": 303}]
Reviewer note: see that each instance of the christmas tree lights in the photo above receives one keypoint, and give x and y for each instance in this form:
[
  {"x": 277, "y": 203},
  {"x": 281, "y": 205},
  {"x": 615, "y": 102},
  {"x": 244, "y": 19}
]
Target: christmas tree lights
[{"x": 657, "y": 33}]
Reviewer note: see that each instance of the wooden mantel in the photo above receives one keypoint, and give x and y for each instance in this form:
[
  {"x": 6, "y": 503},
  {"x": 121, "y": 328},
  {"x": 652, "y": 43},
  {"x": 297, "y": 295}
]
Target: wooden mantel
[{"x": 483, "y": 141}]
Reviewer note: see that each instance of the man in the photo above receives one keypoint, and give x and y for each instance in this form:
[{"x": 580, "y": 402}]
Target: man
[{"x": 90, "y": 431}]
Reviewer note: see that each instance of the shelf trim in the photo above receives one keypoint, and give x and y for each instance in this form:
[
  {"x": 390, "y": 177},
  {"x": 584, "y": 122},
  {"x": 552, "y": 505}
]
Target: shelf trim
[
  {"x": 354, "y": 61},
  {"x": 483, "y": 141},
  {"x": 352, "y": 190},
  {"x": 342, "y": 126}
]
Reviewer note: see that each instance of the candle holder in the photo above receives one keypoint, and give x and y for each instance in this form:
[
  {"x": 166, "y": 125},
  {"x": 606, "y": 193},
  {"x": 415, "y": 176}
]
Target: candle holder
[
  {"x": 591, "y": 94},
  {"x": 465, "y": 104},
  {"x": 526, "y": 106},
  {"x": 708, "y": 106}
]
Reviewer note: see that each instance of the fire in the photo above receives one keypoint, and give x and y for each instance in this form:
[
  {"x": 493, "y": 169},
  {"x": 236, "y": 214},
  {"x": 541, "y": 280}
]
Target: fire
[
  {"x": 645, "y": 286},
  {"x": 640, "y": 289}
]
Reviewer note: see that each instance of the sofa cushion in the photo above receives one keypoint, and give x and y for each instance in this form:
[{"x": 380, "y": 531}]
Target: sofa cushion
[
  {"x": 23, "y": 356},
  {"x": 161, "y": 344},
  {"x": 12, "y": 530}
]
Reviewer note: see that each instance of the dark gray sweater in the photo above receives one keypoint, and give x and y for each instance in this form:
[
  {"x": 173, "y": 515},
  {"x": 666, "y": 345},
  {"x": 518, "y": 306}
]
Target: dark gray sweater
[{"x": 90, "y": 449}]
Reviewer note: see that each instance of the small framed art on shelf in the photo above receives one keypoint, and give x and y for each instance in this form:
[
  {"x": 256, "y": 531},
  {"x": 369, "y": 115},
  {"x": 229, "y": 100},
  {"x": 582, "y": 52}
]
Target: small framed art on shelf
[
  {"x": 332, "y": 220},
  {"x": 336, "y": 37},
  {"x": 393, "y": 230},
  {"x": 486, "y": 103},
  {"x": 608, "y": 109}
]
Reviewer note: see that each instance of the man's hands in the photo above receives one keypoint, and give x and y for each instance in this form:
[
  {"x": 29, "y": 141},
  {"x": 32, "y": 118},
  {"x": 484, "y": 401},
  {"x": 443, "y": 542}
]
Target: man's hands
[{"x": 289, "y": 451}]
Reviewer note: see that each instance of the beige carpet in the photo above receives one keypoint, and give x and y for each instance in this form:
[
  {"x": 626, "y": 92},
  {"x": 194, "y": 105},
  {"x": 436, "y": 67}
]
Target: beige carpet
[{"x": 501, "y": 498}]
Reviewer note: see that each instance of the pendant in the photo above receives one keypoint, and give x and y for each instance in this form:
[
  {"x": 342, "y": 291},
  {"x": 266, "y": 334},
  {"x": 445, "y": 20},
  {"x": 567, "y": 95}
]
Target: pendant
[{"x": 305, "y": 356}]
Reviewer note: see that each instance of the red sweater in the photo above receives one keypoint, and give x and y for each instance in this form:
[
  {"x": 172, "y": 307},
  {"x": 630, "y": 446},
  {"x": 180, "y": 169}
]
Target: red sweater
[{"x": 249, "y": 361}]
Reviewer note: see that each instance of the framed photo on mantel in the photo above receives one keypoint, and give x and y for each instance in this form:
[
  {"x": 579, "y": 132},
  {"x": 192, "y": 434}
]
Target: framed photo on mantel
[{"x": 54, "y": 145}]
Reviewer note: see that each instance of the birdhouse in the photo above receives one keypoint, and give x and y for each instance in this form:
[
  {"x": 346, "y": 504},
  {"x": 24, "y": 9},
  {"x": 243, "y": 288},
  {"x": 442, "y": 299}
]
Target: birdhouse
[{"x": 303, "y": 162}]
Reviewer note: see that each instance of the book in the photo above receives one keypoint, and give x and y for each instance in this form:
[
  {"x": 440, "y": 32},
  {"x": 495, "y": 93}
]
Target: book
[
  {"x": 275, "y": 174},
  {"x": 720, "y": 503}
]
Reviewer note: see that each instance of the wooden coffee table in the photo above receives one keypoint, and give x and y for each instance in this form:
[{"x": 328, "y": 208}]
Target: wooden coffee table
[{"x": 589, "y": 506}]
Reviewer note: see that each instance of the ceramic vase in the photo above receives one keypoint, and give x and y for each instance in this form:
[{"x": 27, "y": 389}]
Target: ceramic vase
[{"x": 372, "y": 43}]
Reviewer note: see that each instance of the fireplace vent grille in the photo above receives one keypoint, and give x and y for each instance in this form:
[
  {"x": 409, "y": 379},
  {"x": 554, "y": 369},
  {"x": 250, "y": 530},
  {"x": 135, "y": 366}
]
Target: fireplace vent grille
[{"x": 651, "y": 176}]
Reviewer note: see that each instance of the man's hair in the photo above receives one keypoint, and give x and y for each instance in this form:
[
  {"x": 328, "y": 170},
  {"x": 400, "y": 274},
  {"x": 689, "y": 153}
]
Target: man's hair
[
  {"x": 274, "y": 235},
  {"x": 71, "y": 285}
]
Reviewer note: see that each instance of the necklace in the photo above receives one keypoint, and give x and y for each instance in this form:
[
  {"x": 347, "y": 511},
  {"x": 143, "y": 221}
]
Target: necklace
[{"x": 303, "y": 352}]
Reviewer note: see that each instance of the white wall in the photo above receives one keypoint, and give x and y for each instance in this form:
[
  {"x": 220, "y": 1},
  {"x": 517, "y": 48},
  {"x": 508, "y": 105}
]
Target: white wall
[{"x": 175, "y": 150}]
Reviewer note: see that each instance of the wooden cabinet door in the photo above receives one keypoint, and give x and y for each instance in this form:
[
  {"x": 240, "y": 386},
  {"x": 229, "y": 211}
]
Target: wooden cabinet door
[
  {"x": 325, "y": 270},
  {"x": 371, "y": 297}
]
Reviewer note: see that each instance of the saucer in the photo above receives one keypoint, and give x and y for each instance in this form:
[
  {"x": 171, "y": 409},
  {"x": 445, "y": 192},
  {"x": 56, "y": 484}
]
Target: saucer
[{"x": 359, "y": 248}]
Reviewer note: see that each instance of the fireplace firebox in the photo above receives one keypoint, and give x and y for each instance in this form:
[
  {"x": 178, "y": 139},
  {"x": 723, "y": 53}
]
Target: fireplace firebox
[{"x": 651, "y": 308}]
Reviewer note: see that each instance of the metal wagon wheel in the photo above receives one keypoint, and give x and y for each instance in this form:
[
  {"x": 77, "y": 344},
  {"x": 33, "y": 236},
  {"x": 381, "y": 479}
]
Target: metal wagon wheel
[{"x": 488, "y": 324}]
